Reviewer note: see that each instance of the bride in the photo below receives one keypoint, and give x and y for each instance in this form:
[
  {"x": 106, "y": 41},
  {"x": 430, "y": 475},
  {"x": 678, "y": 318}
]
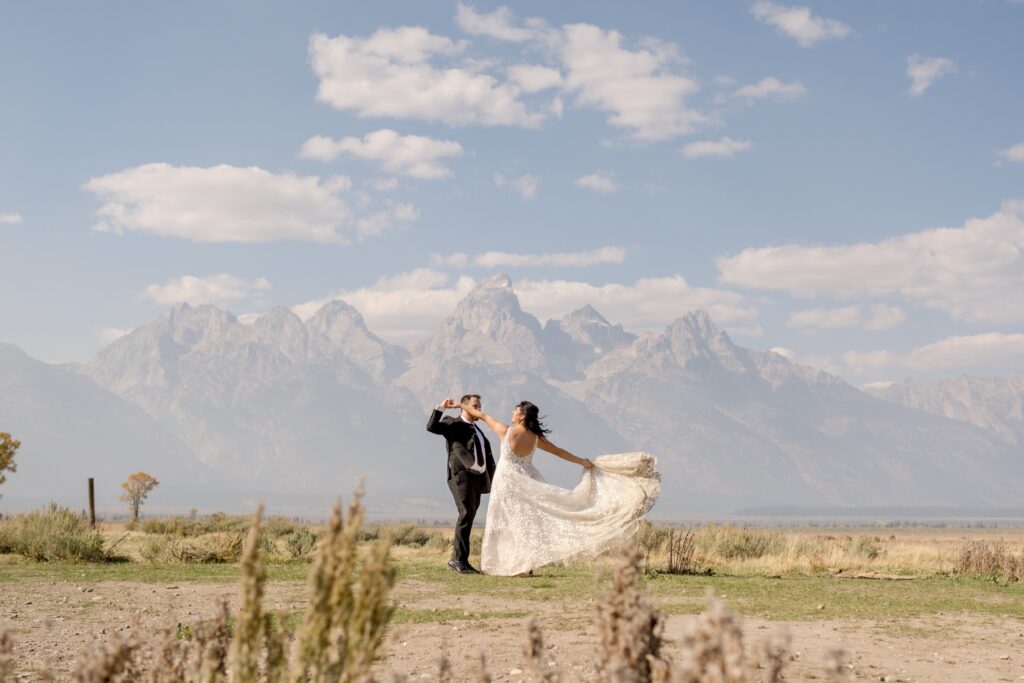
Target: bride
[{"x": 531, "y": 523}]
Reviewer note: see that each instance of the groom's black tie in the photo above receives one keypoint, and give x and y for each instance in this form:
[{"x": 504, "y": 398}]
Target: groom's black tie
[{"x": 479, "y": 446}]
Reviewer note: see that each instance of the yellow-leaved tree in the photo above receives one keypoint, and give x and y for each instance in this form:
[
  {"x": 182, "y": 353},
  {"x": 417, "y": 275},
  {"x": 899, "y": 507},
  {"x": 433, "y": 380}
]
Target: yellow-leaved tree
[
  {"x": 136, "y": 489},
  {"x": 8, "y": 446}
]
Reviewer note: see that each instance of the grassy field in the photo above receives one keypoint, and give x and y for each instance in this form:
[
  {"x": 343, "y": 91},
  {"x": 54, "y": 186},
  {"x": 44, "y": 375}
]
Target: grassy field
[
  {"x": 911, "y": 584},
  {"x": 783, "y": 574}
]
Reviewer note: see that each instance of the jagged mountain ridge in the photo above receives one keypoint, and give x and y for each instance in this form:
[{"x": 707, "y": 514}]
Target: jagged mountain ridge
[
  {"x": 993, "y": 404},
  {"x": 305, "y": 407}
]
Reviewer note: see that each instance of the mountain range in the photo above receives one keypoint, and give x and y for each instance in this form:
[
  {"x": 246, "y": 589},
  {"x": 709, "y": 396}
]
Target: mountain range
[{"x": 296, "y": 411}]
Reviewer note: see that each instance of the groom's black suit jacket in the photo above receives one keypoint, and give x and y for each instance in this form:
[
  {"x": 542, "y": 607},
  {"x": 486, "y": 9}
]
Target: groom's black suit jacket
[{"x": 461, "y": 447}]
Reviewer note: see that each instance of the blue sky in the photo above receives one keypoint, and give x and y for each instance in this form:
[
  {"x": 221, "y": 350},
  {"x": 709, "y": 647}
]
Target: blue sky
[{"x": 840, "y": 181}]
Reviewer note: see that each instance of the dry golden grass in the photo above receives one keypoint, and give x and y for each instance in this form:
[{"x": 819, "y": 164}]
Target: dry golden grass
[{"x": 727, "y": 549}]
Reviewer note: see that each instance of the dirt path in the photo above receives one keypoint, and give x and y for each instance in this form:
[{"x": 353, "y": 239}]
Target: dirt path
[{"x": 53, "y": 621}]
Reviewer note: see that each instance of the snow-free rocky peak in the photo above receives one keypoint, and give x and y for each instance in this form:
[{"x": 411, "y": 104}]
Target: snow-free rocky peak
[
  {"x": 337, "y": 327},
  {"x": 487, "y": 327}
]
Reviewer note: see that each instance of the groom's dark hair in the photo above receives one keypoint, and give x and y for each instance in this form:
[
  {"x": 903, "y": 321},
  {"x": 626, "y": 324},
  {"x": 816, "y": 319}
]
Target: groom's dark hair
[{"x": 466, "y": 398}]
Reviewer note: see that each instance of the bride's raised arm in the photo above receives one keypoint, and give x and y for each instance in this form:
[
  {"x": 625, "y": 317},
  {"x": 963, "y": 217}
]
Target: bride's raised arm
[
  {"x": 498, "y": 428},
  {"x": 545, "y": 445}
]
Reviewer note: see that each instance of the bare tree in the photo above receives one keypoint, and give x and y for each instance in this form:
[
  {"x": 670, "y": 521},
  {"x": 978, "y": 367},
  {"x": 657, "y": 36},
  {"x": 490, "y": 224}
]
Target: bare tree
[
  {"x": 8, "y": 446},
  {"x": 136, "y": 489}
]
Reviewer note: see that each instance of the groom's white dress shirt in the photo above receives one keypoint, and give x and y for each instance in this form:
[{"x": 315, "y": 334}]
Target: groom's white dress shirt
[{"x": 479, "y": 469}]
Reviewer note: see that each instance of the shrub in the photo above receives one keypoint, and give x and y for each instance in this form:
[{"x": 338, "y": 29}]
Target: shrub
[
  {"x": 186, "y": 527},
  {"x": 277, "y": 527},
  {"x": 651, "y": 539},
  {"x": 210, "y": 549},
  {"x": 981, "y": 558},
  {"x": 408, "y": 534},
  {"x": 739, "y": 543},
  {"x": 300, "y": 544},
  {"x": 865, "y": 548},
  {"x": 682, "y": 551},
  {"x": 52, "y": 534},
  {"x": 155, "y": 549}
]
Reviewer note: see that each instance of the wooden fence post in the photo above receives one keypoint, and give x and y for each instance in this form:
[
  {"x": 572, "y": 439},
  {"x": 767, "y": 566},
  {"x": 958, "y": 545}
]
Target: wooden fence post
[{"x": 92, "y": 504}]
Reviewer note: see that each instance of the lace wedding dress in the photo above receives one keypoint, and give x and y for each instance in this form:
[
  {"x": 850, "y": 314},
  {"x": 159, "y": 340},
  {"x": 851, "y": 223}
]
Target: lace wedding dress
[{"x": 531, "y": 523}]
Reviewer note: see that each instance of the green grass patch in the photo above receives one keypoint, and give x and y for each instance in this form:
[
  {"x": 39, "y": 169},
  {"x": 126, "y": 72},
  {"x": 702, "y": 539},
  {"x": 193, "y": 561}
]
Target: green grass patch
[
  {"x": 799, "y": 597},
  {"x": 790, "y": 597},
  {"x": 14, "y": 569}
]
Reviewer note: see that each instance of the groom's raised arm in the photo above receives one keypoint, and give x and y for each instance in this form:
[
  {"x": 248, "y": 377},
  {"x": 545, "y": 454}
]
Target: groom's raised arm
[{"x": 434, "y": 423}]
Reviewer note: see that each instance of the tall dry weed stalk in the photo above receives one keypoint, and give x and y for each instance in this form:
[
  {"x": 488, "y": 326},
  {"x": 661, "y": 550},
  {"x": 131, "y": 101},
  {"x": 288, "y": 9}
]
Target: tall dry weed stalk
[
  {"x": 628, "y": 626},
  {"x": 533, "y": 652},
  {"x": 249, "y": 633},
  {"x": 112, "y": 663},
  {"x": 713, "y": 649},
  {"x": 343, "y": 627},
  {"x": 682, "y": 547},
  {"x": 6, "y": 656}
]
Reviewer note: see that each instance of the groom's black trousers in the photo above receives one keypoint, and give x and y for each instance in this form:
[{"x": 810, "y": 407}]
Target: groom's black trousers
[{"x": 466, "y": 488}]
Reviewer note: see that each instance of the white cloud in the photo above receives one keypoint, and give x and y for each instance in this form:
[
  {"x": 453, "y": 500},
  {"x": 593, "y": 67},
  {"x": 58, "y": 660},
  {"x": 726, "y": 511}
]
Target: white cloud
[
  {"x": 603, "y": 182},
  {"x": 972, "y": 273},
  {"x": 391, "y": 74},
  {"x": 924, "y": 72},
  {"x": 397, "y": 216},
  {"x": 1014, "y": 154},
  {"x": 498, "y": 24},
  {"x": 110, "y": 335},
  {"x": 10, "y": 218},
  {"x": 770, "y": 87},
  {"x": 534, "y": 78},
  {"x": 952, "y": 354},
  {"x": 412, "y": 155},
  {"x": 826, "y": 318},
  {"x": 499, "y": 259},
  {"x": 402, "y": 307},
  {"x": 410, "y": 305},
  {"x": 638, "y": 88},
  {"x": 219, "y": 290},
  {"x": 221, "y": 204},
  {"x": 723, "y": 148},
  {"x": 645, "y": 305},
  {"x": 881, "y": 317},
  {"x": 885, "y": 317},
  {"x": 798, "y": 23},
  {"x": 384, "y": 184},
  {"x": 525, "y": 186},
  {"x": 992, "y": 348}
]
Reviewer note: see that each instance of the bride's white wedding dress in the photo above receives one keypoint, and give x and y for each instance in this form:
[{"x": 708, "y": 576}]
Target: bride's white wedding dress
[{"x": 531, "y": 523}]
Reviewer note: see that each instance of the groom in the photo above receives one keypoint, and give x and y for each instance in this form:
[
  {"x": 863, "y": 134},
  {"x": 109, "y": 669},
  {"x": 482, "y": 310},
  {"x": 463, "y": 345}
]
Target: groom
[{"x": 470, "y": 468}]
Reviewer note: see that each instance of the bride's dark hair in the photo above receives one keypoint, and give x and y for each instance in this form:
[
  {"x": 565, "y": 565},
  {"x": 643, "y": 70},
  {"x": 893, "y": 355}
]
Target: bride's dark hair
[{"x": 531, "y": 418}]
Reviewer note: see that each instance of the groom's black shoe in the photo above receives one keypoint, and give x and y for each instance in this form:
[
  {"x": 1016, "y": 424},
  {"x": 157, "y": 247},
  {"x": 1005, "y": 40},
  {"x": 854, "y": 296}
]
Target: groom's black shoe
[{"x": 461, "y": 567}]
